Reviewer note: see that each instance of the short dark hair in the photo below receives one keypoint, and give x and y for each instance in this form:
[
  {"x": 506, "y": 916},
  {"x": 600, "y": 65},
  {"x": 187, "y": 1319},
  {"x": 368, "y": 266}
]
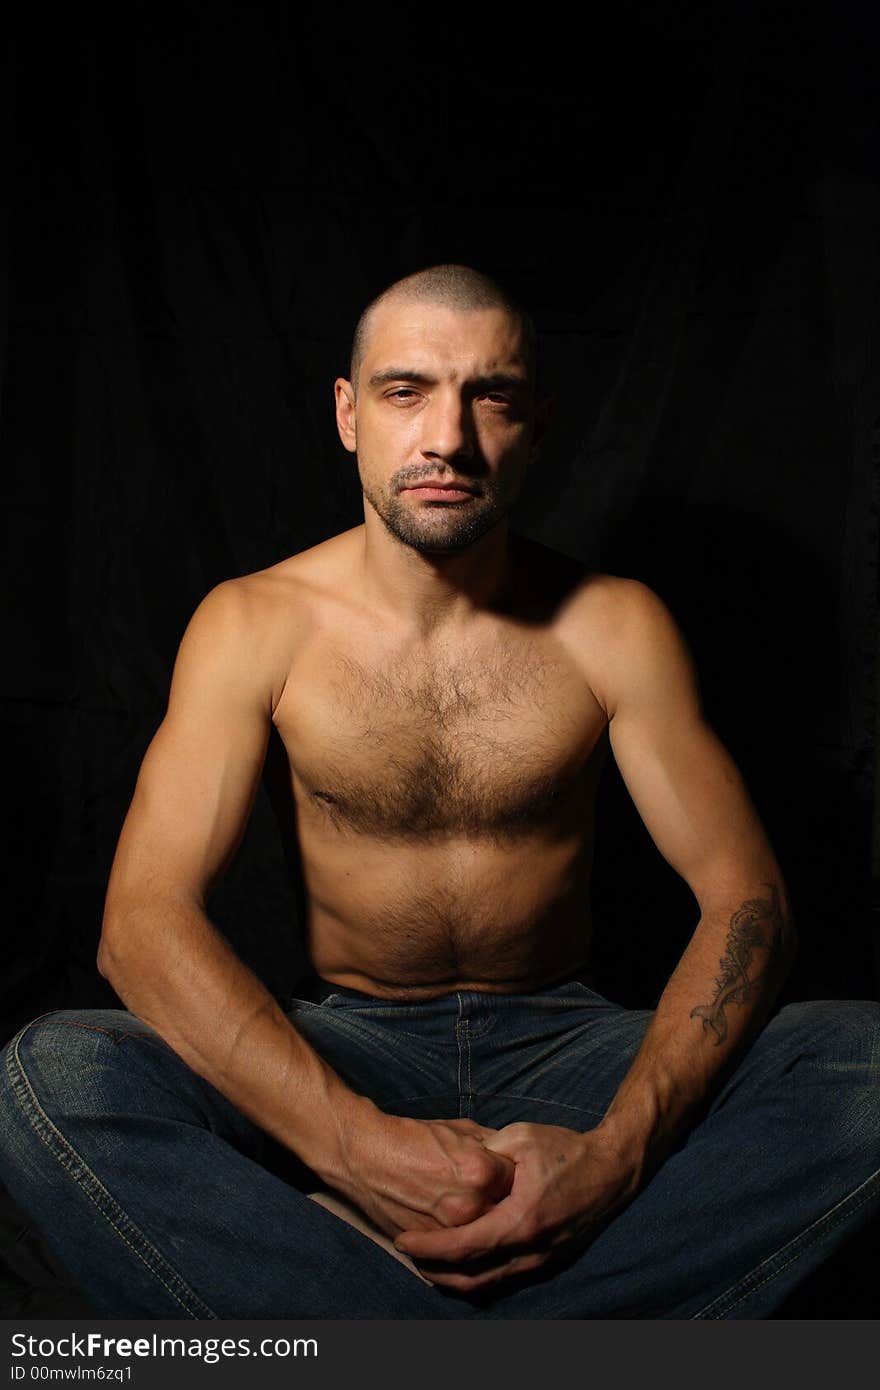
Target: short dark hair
[{"x": 454, "y": 287}]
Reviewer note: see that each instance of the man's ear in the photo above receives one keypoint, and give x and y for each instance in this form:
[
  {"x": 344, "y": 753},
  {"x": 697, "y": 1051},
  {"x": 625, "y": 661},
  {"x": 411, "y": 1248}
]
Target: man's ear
[
  {"x": 544, "y": 411},
  {"x": 345, "y": 413}
]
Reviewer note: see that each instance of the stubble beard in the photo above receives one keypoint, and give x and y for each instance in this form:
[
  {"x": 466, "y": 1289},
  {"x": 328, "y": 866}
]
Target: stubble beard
[{"x": 438, "y": 528}]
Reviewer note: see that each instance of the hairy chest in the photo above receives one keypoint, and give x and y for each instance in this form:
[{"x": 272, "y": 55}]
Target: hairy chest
[{"x": 494, "y": 741}]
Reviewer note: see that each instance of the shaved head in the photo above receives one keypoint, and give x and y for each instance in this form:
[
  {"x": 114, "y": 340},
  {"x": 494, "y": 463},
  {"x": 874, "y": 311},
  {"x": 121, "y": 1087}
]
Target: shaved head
[{"x": 451, "y": 287}]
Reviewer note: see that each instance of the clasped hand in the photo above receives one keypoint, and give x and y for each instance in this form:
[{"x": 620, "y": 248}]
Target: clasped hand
[{"x": 474, "y": 1206}]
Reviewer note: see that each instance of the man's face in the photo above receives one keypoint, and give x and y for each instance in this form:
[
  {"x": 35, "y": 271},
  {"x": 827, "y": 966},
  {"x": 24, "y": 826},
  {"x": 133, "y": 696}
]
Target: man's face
[{"x": 442, "y": 423}]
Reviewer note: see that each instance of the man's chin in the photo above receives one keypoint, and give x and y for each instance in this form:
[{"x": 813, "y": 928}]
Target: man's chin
[
  {"x": 448, "y": 547},
  {"x": 443, "y": 540},
  {"x": 438, "y": 532}
]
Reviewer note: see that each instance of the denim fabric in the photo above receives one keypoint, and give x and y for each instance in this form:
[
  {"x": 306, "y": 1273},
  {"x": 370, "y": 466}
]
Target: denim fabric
[{"x": 164, "y": 1201}]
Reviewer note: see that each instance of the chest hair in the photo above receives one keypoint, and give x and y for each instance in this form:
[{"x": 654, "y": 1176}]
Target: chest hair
[{"x": 489, "y": 745}]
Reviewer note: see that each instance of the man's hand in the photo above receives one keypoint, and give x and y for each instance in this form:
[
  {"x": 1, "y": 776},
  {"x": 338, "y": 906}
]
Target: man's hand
[
  {"x": 565, "y": 1187},
  {"x": 419, "y": 1175}
]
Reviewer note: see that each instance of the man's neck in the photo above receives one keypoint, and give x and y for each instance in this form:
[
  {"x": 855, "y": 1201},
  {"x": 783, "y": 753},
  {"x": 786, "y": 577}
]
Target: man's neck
[{"x": 430, "y": 591}]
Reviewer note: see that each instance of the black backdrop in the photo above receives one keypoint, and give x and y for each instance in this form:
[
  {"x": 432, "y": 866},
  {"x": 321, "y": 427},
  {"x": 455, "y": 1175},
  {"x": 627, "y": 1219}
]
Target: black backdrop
[{"x": 687, "y": 196}]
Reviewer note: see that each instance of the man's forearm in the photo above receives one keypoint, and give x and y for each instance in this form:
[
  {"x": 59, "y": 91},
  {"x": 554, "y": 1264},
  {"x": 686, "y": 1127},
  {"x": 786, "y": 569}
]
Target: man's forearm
[
  {"x": 717, "y": 999},
  {"x": 173, "y": 970}
]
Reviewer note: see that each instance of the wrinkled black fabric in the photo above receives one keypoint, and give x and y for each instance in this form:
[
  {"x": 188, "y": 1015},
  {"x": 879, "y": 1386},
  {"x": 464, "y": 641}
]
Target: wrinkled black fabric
[{"x": 190, "y": 226}]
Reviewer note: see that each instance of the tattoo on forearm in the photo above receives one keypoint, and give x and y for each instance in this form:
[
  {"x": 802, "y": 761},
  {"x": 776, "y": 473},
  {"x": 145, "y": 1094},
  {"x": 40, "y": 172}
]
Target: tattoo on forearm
[{"x": 758, "y": 923}]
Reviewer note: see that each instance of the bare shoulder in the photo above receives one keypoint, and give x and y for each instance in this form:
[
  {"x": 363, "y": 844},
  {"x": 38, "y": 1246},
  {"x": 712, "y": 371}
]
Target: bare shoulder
[
  {"x": 287, "y": 592},
  {"x": 254, "y": 624},
  {"x": 623, "y": 633},
  {"x": 607, "y": 601}
]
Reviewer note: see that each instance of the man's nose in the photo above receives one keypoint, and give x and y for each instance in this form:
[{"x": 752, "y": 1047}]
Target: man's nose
[{"x": 448, "y": 428}]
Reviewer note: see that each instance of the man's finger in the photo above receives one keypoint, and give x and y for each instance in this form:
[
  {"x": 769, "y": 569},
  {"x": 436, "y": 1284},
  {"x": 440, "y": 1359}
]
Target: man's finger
[
  {"x": 469, "y": 1242},
  {"x": 502, "y": 1141},
  {"x": 466, "y": 1282}
]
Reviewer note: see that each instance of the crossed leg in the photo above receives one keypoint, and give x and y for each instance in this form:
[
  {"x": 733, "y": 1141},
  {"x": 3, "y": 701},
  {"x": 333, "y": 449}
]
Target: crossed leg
[{"x": 163, "y": 1200}]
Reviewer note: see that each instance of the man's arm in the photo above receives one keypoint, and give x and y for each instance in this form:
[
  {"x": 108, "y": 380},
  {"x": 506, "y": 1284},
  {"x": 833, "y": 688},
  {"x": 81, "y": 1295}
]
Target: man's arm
[
  {"x": 694, "y": 803},
  {"x": 171, "y": 968}
]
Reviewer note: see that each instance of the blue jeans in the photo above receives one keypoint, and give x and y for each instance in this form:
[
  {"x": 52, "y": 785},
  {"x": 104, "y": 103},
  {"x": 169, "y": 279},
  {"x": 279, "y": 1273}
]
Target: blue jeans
[{"x": 164, "y": 1201}]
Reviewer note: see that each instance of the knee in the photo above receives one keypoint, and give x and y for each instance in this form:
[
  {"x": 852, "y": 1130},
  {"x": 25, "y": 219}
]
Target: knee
[
  {"x": 840, "y": 1035},
  {"x": 830, "y": 1049},
  {"x": 60, "y": 1062}
]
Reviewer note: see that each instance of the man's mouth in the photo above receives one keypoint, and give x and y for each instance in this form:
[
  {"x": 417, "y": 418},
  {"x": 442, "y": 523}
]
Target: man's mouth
[{"x": 438, "y": 490}]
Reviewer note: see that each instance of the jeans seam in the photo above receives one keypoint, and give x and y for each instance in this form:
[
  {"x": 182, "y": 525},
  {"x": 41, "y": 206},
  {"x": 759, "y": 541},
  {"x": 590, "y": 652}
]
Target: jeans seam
[
  {"x": 464, "y": 1060},
  {"x": 66, "y": 1156},
  {"x": 368, "y": 1037},
  {"x": 116, "y": 1035},
  {"x": 725, "y": 1302},
  {"x": 390, "y": 1101},
  {"x": 539, "y": 1100}
]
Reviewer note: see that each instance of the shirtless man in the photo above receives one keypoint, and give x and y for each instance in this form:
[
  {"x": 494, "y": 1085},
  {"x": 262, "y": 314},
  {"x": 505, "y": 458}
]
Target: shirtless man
[{"x": 446, "y": 693}]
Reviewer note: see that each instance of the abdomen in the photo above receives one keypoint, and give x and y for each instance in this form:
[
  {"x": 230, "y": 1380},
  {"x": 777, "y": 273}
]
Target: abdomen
[{"x": 459, "y": 914}]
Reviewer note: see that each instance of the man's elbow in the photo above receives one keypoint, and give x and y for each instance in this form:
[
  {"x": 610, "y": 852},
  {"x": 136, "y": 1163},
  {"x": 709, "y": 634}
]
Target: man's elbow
[
  {"x": 127, "y": 912},
  {"x": 757, "y": 908},
  {"x": 775, "y": 922},
  {"x": 782, "y": 926},
  {"x": 142, "y": 920},
  {"x": 110, "y": 950}
]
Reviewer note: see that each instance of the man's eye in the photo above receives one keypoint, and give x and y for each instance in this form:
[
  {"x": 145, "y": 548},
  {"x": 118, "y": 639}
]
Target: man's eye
[
  {"x": 496, "y": 398},
  {"x": 402, "y": 393}
]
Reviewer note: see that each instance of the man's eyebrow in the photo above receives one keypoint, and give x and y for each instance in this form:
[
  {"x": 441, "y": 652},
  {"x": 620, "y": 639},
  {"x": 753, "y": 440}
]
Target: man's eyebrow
[
  {"x": 401, "y": 374},
  {"x": 494, "y": 381}
]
